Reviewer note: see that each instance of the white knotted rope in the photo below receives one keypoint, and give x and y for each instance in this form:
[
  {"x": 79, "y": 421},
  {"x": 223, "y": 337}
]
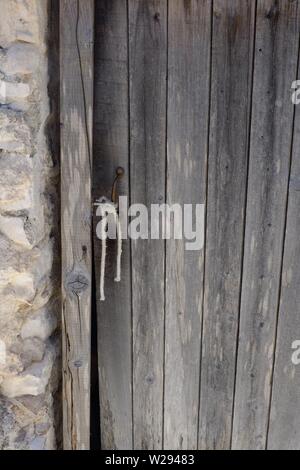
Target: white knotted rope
[
  {"x": 106, "y": 208},
  {"x": 119, "y": 252}
]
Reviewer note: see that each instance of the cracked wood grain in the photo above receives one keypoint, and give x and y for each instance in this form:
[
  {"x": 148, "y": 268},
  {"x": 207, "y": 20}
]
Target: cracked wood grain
[
  {"x": 275, "y": 66},
  {"x": 284, "y": 426},
  {"x": 76, "y": 61}
]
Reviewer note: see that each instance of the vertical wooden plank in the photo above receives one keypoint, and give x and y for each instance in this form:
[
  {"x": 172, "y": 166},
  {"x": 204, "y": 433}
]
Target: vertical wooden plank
[
  {"x": 284, "y": 428},
  {"x": 231, "y": 79},
  {"x": 76, "y": 62},
  {"x": 148, "y": 65},
  {"x": 188, "y": 103},
  {"x": 111, "y": 151},
  {"x": 270, "y": 144}
]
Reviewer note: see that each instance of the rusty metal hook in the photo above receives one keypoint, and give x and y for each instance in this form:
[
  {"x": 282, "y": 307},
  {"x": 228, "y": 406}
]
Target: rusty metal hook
[{"x": 119, "y": 174}]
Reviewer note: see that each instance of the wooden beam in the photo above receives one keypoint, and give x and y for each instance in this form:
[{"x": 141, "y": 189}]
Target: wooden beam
[
  {"x": 76, "y": 63},
  {"x": 284, "y": 426},
  {"x": 111, "y": 150},
  {"x": 188, "y": 106},
  {"x": 147, "y": 72},
  {"x": 231, "y": 81},
  {"x": 277, "y": 24}
]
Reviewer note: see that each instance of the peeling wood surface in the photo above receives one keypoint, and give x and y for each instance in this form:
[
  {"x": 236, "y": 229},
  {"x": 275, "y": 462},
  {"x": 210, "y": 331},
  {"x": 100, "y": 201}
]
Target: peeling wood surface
[{"x": 76, "y": 62}]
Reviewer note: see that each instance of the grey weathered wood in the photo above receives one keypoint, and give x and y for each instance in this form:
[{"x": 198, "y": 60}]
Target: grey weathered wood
[
  {"x": 231, "y": 78},
  {"x": 271, "y": 133},
  {"x": 111, "y": 151},
  {"x": 188, "y": 102},
  {"x": 188, "y": 113},
  {"x": 284, "y": 427},
  {"x": 76, "y": 61},
  {"x": 148, "y": 67}
]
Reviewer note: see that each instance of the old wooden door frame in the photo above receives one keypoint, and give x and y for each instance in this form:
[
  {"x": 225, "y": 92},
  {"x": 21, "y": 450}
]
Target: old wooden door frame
[{"x": 76, "y": 95}]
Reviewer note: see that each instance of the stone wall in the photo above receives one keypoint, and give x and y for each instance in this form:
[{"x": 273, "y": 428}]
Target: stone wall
[{"x": 29, "y": 297}]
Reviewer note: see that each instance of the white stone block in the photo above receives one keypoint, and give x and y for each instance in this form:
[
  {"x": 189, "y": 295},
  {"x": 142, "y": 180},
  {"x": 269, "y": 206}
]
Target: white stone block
[
  {"x": 38, "y": 443},
  {"x": 10, "y": 92},
  {"x": 22, "y": 385},
  {"x": 19, "y": 284},
  {"x": 32, "y": 350},
  {"x": 33, "y": 381},
  {"x": 16, "y": 182},
  {"x": 22, "y": 21},
  {"x": 2, "y": 353},
  {"x": 15, "y": 135},
  {"x": 13, "y": 228},
  {"x": 41, "y": 325},
  {"x": 20, "y": 59}
]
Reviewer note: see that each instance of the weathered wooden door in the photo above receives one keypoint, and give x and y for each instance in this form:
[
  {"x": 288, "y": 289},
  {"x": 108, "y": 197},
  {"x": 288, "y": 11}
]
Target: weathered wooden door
[{"x": 193, "y": 99}]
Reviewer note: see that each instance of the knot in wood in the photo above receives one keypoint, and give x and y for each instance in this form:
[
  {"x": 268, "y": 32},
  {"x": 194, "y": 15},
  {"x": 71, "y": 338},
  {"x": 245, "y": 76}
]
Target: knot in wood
[
  {"x": 150, "y": 379},
  {"x": 77, "y": 363},
  {"x": 77, "y": 283}
]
